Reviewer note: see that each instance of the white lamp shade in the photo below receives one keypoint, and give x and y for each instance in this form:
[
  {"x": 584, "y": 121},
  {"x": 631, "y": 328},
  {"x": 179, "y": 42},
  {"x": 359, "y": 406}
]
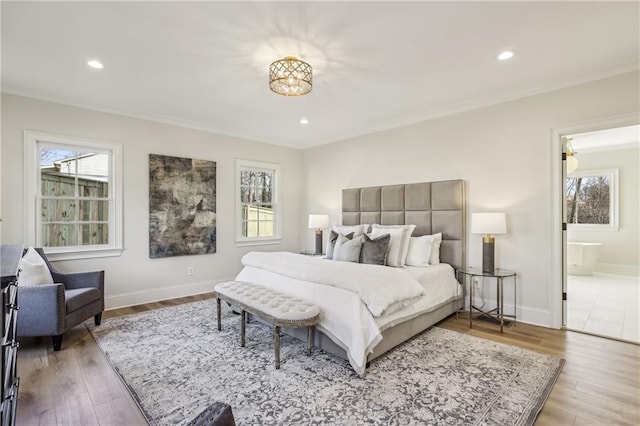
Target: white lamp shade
[
  {"x": 318, "y": 221},
  {"x": 488, "y": 223}
]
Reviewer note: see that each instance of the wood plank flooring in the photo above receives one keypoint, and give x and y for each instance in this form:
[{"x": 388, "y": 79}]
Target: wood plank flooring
[{"x": 599, "y": 384}]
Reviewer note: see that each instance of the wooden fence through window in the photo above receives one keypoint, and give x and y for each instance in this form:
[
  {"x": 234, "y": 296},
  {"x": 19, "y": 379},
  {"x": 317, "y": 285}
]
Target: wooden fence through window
[{"x": 60, "y": 226}]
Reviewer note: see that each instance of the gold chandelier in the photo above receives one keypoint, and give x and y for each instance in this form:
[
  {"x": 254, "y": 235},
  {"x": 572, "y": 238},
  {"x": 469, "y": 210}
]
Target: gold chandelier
[{"x": 290, "y": 77}]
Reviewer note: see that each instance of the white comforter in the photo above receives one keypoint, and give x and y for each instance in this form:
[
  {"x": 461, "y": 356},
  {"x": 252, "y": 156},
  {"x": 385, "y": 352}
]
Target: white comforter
[
  {"x": 381, "y": 288},
  {"x": 343, "y": 316}
]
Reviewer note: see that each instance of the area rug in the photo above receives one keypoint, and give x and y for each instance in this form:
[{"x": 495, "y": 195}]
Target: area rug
[{"x": 175, "y": 363}]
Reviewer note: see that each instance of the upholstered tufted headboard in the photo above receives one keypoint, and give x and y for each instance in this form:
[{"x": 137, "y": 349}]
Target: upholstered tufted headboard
[{"x": 432, "y": 206}]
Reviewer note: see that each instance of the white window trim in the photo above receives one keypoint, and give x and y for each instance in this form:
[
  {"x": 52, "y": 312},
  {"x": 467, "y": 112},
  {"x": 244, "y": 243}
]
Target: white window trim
[
  {"x": 257, "y": 241},
  {"x": 613, "y": 201},
  {"x": 31, "y": 169}
]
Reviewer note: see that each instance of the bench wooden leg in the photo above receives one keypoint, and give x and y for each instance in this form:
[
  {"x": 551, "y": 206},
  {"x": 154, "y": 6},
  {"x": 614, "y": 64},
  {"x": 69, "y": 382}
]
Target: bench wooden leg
[
  {"x": 218, "y": 314},
  {"x": 243, "y": 322},
  {"x": 309, "y": 339},
  {"x": 276, "y": 341}
]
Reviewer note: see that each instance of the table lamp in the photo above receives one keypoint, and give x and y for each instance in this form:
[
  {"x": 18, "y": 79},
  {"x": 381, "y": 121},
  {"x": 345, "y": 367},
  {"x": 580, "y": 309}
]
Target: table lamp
[
  {"x": 318, "y": 222},
  {"x": 488, "y": 224}
]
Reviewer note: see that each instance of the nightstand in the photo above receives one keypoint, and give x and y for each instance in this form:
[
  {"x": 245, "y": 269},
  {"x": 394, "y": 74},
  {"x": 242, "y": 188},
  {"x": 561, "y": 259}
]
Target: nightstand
[{"x": 497, "y": 314}]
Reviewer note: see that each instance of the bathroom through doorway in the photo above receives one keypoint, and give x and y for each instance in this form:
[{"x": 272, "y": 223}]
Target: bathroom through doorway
[{"x": 602, "y": 216}]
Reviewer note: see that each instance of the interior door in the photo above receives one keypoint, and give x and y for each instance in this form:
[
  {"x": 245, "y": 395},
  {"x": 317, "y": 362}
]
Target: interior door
[{"x": 564, "y": 140}]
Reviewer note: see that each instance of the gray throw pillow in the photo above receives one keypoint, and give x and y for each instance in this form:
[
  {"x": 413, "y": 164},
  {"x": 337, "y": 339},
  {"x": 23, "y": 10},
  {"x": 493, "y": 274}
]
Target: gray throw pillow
[
  {"x": 347, "y": 250},
  {"x": 331, "y": 243},
  {"x": 374, "y": 250}
]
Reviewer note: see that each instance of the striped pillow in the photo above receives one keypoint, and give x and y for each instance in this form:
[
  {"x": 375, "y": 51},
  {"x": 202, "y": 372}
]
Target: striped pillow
[{"x": 399, "y": 243}]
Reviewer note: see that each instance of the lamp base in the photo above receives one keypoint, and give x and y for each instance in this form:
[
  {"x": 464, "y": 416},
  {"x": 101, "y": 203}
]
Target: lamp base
[
  {"x": 488, "y": 252},
  {"x": 318, "y": 241}
]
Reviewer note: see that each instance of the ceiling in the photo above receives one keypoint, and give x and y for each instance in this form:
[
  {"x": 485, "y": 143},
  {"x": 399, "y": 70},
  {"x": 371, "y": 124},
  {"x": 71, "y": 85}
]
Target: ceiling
[
  {"x": 607, "y": 139},
  {"x": 376, "y": 65}
]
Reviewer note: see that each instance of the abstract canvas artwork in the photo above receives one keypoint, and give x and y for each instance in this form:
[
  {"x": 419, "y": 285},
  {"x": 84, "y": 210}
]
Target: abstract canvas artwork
[{"x": 182, "y": 206}]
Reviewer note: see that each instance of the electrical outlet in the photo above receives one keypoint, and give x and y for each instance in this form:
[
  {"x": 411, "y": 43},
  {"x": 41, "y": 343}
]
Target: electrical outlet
[{"x": 191, "y": 270}]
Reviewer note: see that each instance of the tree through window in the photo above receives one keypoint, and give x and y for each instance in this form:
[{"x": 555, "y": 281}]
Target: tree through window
[
  {"x": 256, "y": 192},
  {"x": 257, "y": 201},
  {"x": 590, "y": 198}
]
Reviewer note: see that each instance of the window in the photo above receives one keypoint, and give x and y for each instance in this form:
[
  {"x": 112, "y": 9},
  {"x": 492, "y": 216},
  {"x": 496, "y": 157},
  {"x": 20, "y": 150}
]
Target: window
[
  {"x": 73, "y": 196},
  {"x": 592, "y": 199},
  {"x": 258, "y": 215}
]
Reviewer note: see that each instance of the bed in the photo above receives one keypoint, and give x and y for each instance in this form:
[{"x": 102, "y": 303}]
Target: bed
[{"x": 347, "y": 326}]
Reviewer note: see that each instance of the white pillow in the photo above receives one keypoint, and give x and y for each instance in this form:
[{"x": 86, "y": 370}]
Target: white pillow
[
  {"x": 347, "y": 229},
  {"x": 434, "y": 256},
  {"x": 33, "y": 269},
  {"x": 347, "y": 250},
  {"x": 399, "y": 243},
  {"x": 419, "y": 251}
]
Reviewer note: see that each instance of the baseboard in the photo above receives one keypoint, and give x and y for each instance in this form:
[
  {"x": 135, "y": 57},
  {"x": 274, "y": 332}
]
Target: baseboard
[
  {"x": 616, "y": 268},
  {"x": 535, "y": 316},
  {"x": 525, "y": 314},
  {"x": 133, "y": 298}
]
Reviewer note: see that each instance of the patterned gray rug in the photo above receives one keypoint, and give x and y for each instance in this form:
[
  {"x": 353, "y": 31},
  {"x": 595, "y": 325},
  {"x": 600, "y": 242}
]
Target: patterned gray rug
[{"x": 175, "y": 363}]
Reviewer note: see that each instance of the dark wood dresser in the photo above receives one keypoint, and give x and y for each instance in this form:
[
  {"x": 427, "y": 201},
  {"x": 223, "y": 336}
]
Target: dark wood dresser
[{"x": 9, "y": 260}]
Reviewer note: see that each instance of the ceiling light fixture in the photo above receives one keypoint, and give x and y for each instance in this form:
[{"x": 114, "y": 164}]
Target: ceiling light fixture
[
  {"x": 507, "y": 54},
  {"x": 290, "y": 77},
  {"x": 95, "y": 64},
  {"x": 304, "y": 121}
]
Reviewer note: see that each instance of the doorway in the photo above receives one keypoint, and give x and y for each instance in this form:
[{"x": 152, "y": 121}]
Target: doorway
[{"x": 601, "y": 203}]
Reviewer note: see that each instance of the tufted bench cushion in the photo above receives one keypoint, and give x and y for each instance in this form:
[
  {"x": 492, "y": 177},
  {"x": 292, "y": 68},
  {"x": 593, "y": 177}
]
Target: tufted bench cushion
[
  {"x": 270, "y": 302},
  {"x": 280, "y": 310}
]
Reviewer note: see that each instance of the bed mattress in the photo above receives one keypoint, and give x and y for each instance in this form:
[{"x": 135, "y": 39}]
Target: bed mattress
[{"x": 440, "y": 288}]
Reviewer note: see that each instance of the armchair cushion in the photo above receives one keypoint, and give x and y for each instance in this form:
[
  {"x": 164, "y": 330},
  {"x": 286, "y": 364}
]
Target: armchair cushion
[
  {"x": 33, "y": 269},
  {"x": 78, "y": 298},
  {"x": 75, "y": 280}
]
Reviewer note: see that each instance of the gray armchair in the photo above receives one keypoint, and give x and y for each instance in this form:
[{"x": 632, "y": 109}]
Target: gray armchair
[{"x": 52, "y": 309}]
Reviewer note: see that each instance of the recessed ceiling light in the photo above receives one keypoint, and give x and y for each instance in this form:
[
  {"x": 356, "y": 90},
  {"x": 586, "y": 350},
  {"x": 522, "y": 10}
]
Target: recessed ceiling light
[
  {"x": 95, "y": 64},
  {"x": 507, "y": 54},
  {"x": 304, "y": 121}
]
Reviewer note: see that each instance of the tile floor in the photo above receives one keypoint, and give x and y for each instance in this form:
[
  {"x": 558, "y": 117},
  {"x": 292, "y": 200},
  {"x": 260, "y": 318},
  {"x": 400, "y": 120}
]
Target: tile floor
[{"x": 604, "y": 304}]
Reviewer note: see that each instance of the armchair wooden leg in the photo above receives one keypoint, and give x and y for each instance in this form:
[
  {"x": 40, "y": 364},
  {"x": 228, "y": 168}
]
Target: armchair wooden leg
[
  {"x": 97, "y": 318},
  {"x": 57, "y": 342}
]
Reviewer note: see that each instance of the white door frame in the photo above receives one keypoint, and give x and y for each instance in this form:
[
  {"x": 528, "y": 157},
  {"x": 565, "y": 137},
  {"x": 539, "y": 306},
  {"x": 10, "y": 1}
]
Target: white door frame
[{"x": 556, "y": 266}]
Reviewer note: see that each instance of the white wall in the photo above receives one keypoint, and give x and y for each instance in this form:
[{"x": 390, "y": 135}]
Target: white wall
[
  {"x": 133, "y": 278},
  {"x": 503, "y": 153},
  {"x": 621, "y": 248}
]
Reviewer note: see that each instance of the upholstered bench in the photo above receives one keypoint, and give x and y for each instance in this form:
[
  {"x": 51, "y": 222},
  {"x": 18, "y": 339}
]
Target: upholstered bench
[{"x": 278, "y": 309}]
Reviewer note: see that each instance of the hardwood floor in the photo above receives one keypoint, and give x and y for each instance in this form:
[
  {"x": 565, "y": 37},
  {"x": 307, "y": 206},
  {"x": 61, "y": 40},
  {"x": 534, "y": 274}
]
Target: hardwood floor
[
  {"x": 76, "y": 385},
  {"x": 599, "y": 384}
]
